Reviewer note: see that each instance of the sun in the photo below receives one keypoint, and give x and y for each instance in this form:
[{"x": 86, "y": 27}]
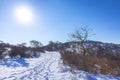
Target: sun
[{"x": 23, "y": 14}]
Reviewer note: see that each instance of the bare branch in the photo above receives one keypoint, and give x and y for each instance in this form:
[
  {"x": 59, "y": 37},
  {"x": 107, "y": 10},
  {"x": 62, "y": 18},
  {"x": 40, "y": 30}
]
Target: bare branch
[{"x": 82, "y": 34}]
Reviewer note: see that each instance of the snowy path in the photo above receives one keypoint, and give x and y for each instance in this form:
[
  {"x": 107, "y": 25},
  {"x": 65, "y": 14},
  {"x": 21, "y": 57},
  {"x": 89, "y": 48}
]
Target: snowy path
[{"x": 47, "y": 67}]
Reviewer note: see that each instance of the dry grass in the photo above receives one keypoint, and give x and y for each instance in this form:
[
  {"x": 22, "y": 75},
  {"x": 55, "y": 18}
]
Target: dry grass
[{"x": 94, "y": 64}]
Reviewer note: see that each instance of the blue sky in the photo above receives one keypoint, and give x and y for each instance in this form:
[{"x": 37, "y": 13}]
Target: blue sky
[{"x": 55, "y": 19}]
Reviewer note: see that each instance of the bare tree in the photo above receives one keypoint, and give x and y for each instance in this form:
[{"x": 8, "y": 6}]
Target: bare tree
[
  {"x": 22, "y": 45},
  {"x": 81, "y": 35},
  {"x": 35, "y": 43}
]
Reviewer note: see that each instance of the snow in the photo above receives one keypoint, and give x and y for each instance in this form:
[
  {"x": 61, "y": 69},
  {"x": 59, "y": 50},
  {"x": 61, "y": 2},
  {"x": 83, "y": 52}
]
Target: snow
[{"x": 47, "y": 67}]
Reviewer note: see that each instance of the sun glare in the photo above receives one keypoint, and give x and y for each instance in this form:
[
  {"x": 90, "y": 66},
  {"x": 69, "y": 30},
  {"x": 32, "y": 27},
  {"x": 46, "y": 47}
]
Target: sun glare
[{"x": 23, "y": 14}]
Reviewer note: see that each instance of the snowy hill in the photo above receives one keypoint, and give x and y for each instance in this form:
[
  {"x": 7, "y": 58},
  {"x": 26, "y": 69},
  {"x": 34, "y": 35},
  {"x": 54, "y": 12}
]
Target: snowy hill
[
  {"x": 47, "y": 67},
  {"x": 94, "y": 47}
]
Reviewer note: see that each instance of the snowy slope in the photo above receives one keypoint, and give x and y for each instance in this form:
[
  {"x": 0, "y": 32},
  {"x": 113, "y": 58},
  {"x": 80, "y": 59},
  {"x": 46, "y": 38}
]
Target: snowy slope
[{"x": 47, "y": 67}]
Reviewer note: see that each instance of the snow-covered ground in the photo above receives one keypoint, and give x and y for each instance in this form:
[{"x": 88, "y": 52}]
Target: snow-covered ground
[{"x": 47, "y": 67}]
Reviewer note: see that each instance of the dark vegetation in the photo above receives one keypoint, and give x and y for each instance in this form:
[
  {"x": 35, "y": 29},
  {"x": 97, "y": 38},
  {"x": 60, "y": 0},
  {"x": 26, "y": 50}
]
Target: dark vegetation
[{"x": 20, "y": 50}]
